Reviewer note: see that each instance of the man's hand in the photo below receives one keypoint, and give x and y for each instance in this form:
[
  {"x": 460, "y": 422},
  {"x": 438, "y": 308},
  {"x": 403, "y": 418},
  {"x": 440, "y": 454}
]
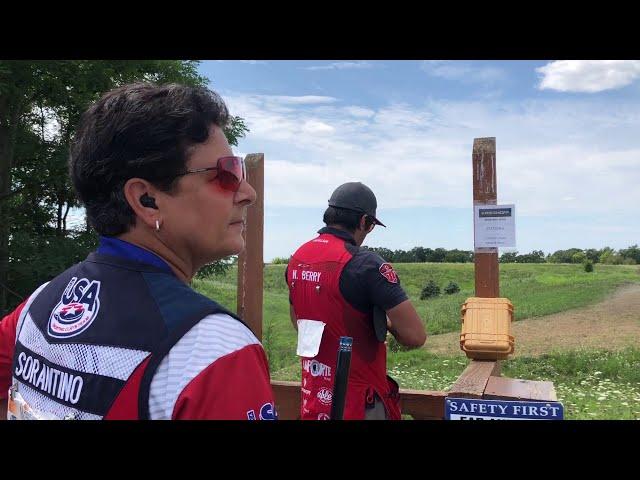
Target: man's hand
[{"x": 405, "y": 325}]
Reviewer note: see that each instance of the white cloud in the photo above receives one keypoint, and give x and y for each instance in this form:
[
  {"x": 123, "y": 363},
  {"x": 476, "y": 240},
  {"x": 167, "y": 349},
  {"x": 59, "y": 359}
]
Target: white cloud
[
  {"x": 254, "y": 62},
  {"x": 301, "y": 100},
  {"x": 558, "y": 159},
  {"x": 356, "y": 111},
  {"x": 341, "y": 66},
  {"x": 314, "y": 126},
  {"x": 588, "y": 76},
  {"x": 580, "y": 155},
  {"x": 462, "y": 71}
]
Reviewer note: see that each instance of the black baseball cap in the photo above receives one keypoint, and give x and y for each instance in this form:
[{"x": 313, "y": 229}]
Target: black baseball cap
[{"x": 356, "y": 196}]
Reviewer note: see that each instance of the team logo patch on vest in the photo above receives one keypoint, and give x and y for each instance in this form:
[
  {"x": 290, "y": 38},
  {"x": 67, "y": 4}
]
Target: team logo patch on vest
[
  {"x": 77, "y": 309},
  {"x": 387, "y": 271},
  {"x": 325, "y": 396}
]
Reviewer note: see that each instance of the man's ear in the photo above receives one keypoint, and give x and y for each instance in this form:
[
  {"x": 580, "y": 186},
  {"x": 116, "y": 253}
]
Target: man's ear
[
  {"x": 363, "y": 223},
  {"x": 141, "y": 197}
]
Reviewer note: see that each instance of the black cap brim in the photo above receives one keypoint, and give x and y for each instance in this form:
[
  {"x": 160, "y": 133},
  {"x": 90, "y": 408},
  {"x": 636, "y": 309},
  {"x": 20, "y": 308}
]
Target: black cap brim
[{"x": 378, "y": 222}]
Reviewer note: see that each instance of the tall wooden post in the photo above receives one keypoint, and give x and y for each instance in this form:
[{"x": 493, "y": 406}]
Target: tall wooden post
[
  {"x": 250, "y": 260},
  {"x": 485, "y": 192}
]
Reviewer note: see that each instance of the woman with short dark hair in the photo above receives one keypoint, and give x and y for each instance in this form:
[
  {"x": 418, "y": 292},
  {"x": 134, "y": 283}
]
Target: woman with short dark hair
[{"x": 121, "y": 335}]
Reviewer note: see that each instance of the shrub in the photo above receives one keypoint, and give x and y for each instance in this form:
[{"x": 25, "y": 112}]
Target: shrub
[
  {"x": 279, "y": 261},
  {"x": 430, "y": 290},
  {"x": 451, "y": 288}
]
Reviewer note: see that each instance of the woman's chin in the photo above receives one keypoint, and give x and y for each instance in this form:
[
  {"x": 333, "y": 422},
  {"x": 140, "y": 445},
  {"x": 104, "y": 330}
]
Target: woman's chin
[{"x": 235, "y": 246}]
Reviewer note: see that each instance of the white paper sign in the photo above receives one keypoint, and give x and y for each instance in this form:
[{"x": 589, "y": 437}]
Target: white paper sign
[
  {"x": 494, "y": 226},
  {"x": 309, "y": 337}
]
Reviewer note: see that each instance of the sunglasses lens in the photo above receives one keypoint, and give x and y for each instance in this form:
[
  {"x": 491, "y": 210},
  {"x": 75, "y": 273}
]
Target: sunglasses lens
[{"x": 231, "y": 172}]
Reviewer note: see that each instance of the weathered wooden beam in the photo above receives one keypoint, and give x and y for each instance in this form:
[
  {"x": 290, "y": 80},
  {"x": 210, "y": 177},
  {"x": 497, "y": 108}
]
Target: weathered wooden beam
[
  {"x": 287, "y": 399},
  {"x": 503, "y": 388},
  {"x": 420, "y": 404},
  {"x": 473, "y": 381},
  {"x": 485, "y": 192},
  {"x": 250, "y": 260}
]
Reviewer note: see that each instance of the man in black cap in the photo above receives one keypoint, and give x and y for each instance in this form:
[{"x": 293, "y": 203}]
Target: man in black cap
[{"x": 338, "y": 289}]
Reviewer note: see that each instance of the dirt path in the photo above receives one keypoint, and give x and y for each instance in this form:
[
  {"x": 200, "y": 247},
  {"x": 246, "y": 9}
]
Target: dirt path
[{"x": 611, "y": 324}]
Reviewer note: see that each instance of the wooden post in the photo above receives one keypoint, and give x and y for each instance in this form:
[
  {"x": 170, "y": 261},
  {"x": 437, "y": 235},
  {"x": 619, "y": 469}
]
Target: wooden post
[
  {"x": 473, "y": 381},
  {"x": 250, "y": 260},
  {"x": 485, "y": 193}
]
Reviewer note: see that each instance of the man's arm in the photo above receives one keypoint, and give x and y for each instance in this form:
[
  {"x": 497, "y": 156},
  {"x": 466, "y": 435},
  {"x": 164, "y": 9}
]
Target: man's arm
[
  {"x": 405, "y": 325},
  {"x": 383, "y": 290}
]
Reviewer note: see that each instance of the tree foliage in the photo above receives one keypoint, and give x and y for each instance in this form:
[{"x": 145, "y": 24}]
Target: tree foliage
[{"x": 40, "y": 106}]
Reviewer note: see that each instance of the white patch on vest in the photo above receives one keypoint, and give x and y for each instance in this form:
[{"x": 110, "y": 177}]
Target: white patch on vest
[
  {"x": 45, "y": 379},
  {"x": 309, "y": 337},
  {"x": 311, "y": 276}
]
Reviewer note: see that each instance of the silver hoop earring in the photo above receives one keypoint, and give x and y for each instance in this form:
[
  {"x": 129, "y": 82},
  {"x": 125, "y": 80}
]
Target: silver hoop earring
[{"x": 157, "y": 225}]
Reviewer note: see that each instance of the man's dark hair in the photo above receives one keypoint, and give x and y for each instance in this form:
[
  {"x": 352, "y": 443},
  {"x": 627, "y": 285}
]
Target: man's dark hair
[
  {"x": 348, "y": 219},
  {"x": 137, "y": 130}
]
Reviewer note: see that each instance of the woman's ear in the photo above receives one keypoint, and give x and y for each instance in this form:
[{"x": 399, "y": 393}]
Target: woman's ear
[{"x": 140, "y": 196}]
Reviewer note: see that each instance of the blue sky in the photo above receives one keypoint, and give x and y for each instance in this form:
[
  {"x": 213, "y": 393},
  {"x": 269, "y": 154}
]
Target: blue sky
[{"x": 567, "y": 135}]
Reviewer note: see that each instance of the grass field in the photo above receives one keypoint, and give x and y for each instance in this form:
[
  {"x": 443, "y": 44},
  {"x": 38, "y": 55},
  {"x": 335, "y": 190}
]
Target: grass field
[{"x": 594, "y": 383}]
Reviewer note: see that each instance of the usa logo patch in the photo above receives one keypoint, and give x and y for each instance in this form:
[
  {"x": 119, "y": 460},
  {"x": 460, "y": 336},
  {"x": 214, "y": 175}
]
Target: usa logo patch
[
  {"x": 387, "y": 271},
  {"x": 76, "y": 310}
]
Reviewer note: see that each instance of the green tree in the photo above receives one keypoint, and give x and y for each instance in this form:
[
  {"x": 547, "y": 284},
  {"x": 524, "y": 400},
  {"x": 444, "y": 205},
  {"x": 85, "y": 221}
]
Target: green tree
[
  {"x": 610, "y": 257},
  {"x": 578, "y": 257},
  {"x": 508, "y": 257},
  {"x": 385, "y": 253},
  {"x": 437, "y": 255},
  {"x": 458, "y": 256},
  {"x": 631, "y": 253},
  {"x": 40, "y": 105},
  {"x": 419, "y": 254},
  {"x": 593, "y": 255},
  {"x": 564, "y": 256}
]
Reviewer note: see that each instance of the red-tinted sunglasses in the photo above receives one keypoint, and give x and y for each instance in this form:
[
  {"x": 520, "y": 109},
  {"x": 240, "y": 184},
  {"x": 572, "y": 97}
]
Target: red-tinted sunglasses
[{"x": 231, "y": 172}]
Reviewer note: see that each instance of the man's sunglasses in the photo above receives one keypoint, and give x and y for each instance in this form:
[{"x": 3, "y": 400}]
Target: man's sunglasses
[{"x": 231, "y": 172}]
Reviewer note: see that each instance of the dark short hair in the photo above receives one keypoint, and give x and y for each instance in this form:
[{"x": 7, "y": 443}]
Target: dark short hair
[
  {"x": 348, "y": 219},
  {"x": 137, "y": 130}
]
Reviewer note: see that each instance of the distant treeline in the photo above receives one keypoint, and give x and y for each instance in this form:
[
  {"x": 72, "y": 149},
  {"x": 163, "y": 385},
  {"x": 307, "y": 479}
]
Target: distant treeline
[{"x": 607, "y": 255}]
